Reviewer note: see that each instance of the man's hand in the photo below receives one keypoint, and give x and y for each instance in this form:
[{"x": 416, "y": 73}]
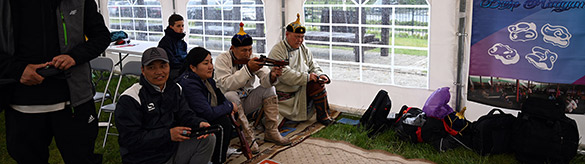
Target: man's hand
[
  {"x": 324, "y": 78},
  {"x": 30, "y": 75},
  {"x": 275, "y": 73},
  {"x": 254, "y": 65},
  {"x": 63, "y": 62},
  {"x": 234, "y": 108},
  {"x": 313, "y": 77},
  {"x": 177, "y": 131},
  {"x": 203, "y": 125}
]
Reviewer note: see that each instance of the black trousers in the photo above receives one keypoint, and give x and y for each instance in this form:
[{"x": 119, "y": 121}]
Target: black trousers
[
  {"x": 28, "y": 136},
  {"x": 226, "y": 124}
]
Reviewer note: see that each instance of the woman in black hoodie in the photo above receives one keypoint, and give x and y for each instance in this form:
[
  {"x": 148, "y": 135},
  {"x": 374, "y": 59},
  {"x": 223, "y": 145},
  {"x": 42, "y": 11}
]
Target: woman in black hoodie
[{"x": 174, "y": 44}]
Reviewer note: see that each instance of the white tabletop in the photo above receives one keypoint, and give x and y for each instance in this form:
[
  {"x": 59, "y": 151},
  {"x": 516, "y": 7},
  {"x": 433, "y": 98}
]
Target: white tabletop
[{"x": 136, "y": 47}]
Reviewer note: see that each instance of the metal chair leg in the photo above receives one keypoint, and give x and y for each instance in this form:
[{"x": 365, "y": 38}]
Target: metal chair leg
[{"x": 107, "y": 129}]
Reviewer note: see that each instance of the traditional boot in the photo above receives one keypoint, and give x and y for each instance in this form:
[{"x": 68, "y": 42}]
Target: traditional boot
[
  {"x": 248, "y": 132},
  {"x": 319, "y": 97},
  {"x": 271, "y": 133}
]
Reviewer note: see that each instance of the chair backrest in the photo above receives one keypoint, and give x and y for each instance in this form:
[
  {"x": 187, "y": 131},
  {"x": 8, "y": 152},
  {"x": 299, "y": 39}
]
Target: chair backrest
[
  {"x": 132, "y": 68},
  {"x": 102, "y": 64}
]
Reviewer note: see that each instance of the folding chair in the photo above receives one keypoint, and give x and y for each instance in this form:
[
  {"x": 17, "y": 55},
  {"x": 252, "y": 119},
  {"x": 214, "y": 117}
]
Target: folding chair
[
  {"x": 130, "y": 68},
  {"x": 99, "y": 66}
]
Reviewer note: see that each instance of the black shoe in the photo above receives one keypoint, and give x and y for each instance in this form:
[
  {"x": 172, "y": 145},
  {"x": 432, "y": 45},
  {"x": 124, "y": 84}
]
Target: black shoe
[{"x": 327, "y": 122}]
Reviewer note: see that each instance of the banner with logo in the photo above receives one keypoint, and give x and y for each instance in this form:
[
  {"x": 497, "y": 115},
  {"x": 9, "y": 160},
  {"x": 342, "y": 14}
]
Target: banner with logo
[{"x": 535, "y": 40}]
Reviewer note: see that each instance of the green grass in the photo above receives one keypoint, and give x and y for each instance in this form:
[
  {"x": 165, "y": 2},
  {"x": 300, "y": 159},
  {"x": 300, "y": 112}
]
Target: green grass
[
  {"x": 111, "y": 153},
  {"x": 410, "y": 52},
  {"x": 399, "y": 41},
  {"x": 411, "y": 42},
  {"x": 388, "y": 141},
  {"x": 327, "y": 47}
]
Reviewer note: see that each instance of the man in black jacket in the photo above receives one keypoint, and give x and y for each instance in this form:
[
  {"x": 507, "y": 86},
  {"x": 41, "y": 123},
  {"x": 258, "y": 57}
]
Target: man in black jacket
[
  {"x": 151, "y": 116},
  {"x": 50, "y": 35}
]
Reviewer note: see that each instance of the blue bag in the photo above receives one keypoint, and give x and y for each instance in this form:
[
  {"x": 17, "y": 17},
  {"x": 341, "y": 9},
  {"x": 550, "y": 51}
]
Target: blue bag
[{"x": 116, "y": 35}]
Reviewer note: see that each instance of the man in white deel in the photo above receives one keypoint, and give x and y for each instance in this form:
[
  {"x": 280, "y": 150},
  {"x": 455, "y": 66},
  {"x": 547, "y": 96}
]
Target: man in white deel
[{"x": 302, "y": 84}]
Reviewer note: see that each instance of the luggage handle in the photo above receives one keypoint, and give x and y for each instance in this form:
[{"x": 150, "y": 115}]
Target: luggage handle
[{"x": 495, "y": 109}]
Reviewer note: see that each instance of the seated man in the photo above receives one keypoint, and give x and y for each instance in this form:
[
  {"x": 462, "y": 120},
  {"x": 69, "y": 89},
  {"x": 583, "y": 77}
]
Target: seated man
[
  {"x": 302, "y": 81},
  {"x": 236, "y": 79},
  {"x": 152, "y": 116}
]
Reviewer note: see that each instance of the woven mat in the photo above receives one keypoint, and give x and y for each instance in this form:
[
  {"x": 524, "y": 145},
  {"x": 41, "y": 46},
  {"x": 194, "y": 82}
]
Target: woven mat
[
  {"x": 320, "y": 150},
  {"x": 268, "y": 149}
]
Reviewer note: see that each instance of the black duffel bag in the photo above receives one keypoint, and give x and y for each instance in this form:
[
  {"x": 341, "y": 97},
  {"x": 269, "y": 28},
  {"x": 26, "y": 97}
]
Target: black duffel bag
[
  {"x": 544, "y": 134},
  {"x": 492, "y": 133}
]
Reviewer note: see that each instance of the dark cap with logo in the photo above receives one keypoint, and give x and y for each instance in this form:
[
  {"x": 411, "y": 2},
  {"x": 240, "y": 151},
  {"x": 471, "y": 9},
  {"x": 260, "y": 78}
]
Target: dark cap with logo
[{"x": 154, "y": 53}]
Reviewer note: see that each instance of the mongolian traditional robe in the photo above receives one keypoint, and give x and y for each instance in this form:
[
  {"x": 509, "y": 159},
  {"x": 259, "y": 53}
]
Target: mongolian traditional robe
[{"x": 293, "y": 80}]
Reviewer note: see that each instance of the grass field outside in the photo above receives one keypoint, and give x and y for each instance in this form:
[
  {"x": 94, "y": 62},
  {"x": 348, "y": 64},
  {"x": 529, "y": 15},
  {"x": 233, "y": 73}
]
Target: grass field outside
[{"x": 399, "y": 41}]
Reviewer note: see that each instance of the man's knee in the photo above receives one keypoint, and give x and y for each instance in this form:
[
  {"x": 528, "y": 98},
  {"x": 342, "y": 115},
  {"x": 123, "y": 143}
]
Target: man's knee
[
  {"x": 207, "y": 144},
  {"x": 233, "y": 96},
  {"x": 269, "y": 92},
  {"x": 209, "y": 140}
]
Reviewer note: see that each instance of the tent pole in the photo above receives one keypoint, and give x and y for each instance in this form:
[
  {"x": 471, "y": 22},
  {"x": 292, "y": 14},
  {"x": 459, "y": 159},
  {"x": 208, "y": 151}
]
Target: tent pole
[
  {"x": 460, "y": 53},
  {"x": 283, "y": 22},
  {"x": 174, "y": 7}
]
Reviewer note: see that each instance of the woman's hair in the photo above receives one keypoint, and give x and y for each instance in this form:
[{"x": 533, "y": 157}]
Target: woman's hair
[{"x": 194, "y": 57}]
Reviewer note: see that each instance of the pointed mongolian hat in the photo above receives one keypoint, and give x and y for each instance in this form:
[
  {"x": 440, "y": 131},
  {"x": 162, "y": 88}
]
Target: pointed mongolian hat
[
  {"x": 241, "y": 38},
  {"x": 296, "y": 26}
]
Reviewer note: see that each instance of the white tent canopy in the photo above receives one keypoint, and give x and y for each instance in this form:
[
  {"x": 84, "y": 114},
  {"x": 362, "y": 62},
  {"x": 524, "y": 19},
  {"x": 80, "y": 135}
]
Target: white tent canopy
[{"x": 443, "y": 50}]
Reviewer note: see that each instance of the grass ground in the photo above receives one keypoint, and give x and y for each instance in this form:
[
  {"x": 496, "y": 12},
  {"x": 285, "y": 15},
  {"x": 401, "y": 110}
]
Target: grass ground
[{"x": 388, "y": 141}]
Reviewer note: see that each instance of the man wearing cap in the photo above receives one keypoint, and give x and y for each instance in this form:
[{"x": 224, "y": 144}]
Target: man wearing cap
[
  {"x": 152, "y": 118},
  {"x": 302, "y": 82},
  {"x": 236, "y": 82}
]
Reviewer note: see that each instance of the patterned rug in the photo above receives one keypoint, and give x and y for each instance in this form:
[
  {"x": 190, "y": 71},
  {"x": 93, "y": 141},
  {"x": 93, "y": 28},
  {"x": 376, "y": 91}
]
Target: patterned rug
[
  {"x": 268, "y": 149},
  {"x": 313, "y": 150},
  {"x": 320, "y": 150}
]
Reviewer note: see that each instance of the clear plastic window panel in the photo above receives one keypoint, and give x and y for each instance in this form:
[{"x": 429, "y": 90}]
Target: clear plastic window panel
[
  {"x": 369, "y": 40},
  {"x": 218, "y": 20},
  {"x": 141, "y": 19}
]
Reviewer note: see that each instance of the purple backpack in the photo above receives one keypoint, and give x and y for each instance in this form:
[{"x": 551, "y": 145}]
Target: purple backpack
[{"x": 437, "y": 104}]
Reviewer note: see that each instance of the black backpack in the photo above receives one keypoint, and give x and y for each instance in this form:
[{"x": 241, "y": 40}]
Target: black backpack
[
  {"x": 407, "y": 131},
  {"x": 374, "y": 119},
  {"x": 544, "y": 134},
  {"x": 492, "y": 133}
]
